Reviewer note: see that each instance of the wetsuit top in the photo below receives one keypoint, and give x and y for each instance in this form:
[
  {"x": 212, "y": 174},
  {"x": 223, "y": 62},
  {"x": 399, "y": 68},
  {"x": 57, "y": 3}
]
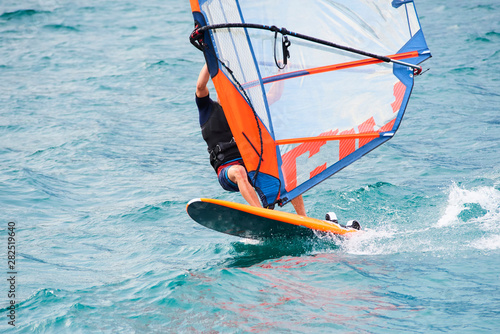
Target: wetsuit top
[{"x": 216, "y": 132}]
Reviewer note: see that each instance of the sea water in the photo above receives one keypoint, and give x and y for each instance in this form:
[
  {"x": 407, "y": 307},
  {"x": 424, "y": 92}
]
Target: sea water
[{"x": 100, "y": 150}]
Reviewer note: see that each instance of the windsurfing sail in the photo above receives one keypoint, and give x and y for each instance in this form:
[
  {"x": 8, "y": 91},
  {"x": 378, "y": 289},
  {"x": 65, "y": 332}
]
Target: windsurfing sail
[{"x": 311, "y": 97}]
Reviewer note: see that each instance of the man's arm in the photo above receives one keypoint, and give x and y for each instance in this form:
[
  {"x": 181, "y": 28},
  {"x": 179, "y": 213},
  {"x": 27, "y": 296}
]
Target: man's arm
[
  {"x": 276, "y": 90},
  {"x": 201, "y": 84}
]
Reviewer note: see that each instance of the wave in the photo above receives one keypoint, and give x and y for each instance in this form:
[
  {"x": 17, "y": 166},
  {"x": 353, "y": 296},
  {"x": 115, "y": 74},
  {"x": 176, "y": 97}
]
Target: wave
[
  {"x": 60, "y": 27},
  {"x": 20, "y": 14}
]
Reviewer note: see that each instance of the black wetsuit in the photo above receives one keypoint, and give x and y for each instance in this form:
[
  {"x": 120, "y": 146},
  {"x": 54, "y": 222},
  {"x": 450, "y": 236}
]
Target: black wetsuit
[{"x": 216, "y": 132}]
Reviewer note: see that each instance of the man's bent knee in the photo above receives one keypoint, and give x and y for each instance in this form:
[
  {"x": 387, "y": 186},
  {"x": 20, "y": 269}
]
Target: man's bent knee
[{"x": 237, "y": 173}]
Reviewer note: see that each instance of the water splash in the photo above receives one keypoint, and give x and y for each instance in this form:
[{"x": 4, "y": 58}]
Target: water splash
[
  {"x": 487, "y": 243},
  {"x": 480, "y": 205},
  {"x": 470, "y": 220}
]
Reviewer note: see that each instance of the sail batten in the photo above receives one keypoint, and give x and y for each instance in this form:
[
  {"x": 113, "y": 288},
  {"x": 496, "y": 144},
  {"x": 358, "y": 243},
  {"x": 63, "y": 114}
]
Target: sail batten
[
  {"x": 340, "y": 93},
  {"x": 329, "y": 68},
  {"x": 328, "y": 138}
]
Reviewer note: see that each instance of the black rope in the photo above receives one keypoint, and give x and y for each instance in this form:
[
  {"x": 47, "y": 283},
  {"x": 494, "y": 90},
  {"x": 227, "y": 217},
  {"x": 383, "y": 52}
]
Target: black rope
[
  {"x": 197, "y": 42},
  {"x": 256, "y": 116},
  {"x": 285, "y": 43}
]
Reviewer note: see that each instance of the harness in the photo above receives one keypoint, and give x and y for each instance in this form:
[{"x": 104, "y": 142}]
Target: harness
[
  {"x": 216, "y": 132},
  {"x": 217, "y": 153}
]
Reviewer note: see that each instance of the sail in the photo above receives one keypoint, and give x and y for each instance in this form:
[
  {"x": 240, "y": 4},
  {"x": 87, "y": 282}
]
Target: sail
[{"x": 296, "y": 124}]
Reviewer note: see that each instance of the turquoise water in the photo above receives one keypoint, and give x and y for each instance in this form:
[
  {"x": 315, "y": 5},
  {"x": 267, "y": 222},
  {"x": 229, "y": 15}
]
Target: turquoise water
[{"x": 100, "y": 151}]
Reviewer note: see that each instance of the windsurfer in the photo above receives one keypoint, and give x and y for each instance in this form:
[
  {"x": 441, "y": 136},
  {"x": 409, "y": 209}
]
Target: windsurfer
[{"x": 224, "y": 155}]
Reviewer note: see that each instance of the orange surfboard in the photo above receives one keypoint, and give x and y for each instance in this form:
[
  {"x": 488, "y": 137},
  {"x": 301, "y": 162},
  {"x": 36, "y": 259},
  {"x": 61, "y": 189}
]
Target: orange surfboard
[{"x": 257, "y": 223}]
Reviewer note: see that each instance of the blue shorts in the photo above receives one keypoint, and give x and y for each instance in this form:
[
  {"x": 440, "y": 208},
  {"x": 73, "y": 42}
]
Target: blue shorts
[{"x": 224, "y": 180}]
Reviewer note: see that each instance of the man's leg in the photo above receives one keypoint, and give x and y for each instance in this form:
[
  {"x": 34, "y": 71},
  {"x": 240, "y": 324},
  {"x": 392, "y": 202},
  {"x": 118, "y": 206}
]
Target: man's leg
[
  {"x": 298, "y": 205},
  {"x": 238, "y": 175}
]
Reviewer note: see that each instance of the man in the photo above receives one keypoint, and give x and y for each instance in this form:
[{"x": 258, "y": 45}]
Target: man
[{"x": 224, "y": 155}]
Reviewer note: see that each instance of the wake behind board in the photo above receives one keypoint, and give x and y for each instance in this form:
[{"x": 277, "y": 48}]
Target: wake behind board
[{"x": 256, "y": 223}]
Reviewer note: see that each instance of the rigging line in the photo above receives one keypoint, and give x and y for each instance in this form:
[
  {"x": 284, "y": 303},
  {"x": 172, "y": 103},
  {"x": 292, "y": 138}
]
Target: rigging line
[
  {"x": 203, "y": 47},
  {"x": 256, "y": 120},
  {"x": 285, "y": 32},
  {"x": 256, "y": 152}
]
